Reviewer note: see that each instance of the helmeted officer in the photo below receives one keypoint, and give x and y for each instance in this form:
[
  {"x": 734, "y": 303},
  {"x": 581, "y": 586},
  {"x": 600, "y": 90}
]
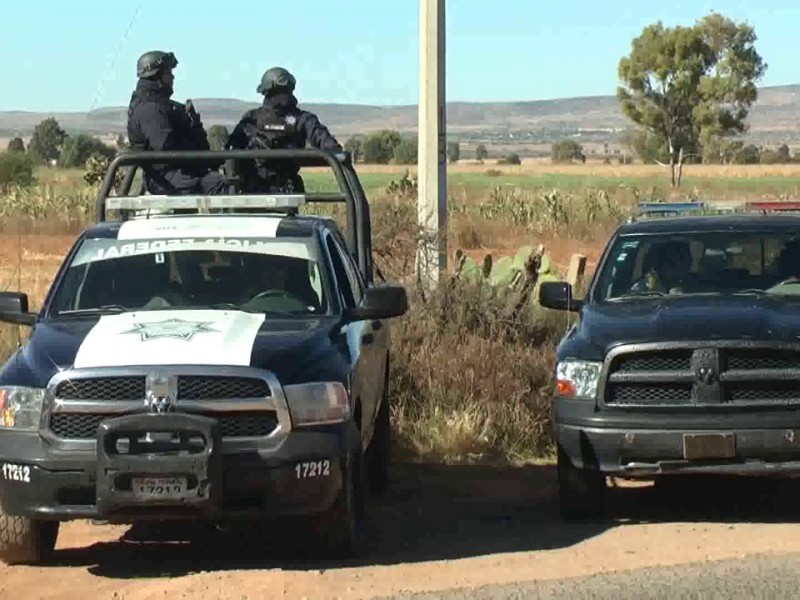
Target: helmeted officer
[
  {"x": 278, "y": 123},
  {"x": 155, "y": 122}
]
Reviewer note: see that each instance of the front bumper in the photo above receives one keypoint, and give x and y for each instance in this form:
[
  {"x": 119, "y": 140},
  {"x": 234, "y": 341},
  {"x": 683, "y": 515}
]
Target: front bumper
[
  {"x": 302, "y": 476},
  {"x": 629, "y": 443}
]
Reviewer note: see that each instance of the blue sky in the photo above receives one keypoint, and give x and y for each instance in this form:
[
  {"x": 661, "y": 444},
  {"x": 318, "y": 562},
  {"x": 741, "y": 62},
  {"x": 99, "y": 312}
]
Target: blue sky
[{"x": 61, "y": 55}]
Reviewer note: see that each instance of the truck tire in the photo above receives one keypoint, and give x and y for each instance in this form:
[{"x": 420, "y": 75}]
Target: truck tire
[
  {"x": 25, "y": 540},
  {"x": 341, "y": 529},
  {"x": 581, "y": 492},
  {"x": 379, "y": 451}
]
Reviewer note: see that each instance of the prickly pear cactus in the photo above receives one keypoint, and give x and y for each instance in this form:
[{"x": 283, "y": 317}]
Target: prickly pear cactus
[
  {"x": 96, "y": 167},
  {"x": 509, "y": 271}
]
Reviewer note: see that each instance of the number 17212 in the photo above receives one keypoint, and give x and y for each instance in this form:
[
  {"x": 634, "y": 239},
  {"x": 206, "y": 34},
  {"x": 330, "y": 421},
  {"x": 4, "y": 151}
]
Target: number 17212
[{"x": 314, "y": 468}]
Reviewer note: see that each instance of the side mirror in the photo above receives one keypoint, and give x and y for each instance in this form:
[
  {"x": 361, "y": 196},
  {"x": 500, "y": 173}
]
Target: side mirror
[
  {"x": 14, "y": 309},
  {"x": 558, "y": 296},
  {"x": 381, "y": 302}
]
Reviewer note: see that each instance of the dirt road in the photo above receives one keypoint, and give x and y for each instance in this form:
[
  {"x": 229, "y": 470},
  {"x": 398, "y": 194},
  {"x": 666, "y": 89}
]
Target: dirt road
[{"x": 441, "y": 528}]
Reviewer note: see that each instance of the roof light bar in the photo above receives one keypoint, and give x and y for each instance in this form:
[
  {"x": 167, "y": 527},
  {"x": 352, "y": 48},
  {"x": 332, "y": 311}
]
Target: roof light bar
[
  {"x": 777, "y": 206},
  {"x": 205, "y": 203},
  {"x": 660, "y": 208}
]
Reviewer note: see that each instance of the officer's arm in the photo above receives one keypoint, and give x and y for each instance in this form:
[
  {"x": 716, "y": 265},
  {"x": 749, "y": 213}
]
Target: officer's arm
[
  {"x": 317, "y": 134},
  {"x": 156, "y": 126},
  {"x": 238, "y": 138}
]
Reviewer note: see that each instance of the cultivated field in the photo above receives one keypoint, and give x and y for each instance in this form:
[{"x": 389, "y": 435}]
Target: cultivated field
[{"x": 476, "y": 408}]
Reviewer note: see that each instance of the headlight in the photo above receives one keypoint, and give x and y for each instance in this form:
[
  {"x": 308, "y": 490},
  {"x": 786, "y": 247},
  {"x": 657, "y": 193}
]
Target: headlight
[
  {"x": 318, "y": 403},
  {"x": 20, "y": 407},
  {"x": 578, "y": 378}
]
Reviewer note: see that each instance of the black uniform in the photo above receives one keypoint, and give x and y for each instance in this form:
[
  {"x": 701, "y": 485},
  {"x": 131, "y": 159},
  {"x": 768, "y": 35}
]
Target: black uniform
[
  {"x": 157, "y": 123},
  {"x": 278, "y": 123}
]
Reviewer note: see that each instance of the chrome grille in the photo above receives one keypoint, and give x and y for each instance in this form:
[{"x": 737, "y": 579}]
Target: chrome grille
[
  {"x": 725, "y": 373},
  {"x": 190, "y": 387},
  {"x": 77, "y": 426},
  {"x": 248, "y": 403}
]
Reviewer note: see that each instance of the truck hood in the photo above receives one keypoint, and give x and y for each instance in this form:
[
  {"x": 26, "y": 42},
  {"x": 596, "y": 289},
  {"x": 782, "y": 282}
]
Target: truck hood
[
  {"x": 290, "y": 347},
  {"x": 691, "y": 318}
]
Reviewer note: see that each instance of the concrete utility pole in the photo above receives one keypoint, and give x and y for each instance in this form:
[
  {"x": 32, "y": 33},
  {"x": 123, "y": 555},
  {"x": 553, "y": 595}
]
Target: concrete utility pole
[{"x": 432, "y": 161}]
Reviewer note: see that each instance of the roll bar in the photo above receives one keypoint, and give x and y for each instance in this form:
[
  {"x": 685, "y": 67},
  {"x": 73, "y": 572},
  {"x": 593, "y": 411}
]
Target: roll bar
[{"x": 358, "y": 234}]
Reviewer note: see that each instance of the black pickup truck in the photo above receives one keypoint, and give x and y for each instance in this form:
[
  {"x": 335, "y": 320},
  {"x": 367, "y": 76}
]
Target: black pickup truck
[
  {"x": 685, "y": 357},
  {"x": 209, "y": 358}
]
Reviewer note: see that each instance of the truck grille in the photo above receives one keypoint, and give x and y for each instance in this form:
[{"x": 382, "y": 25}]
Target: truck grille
[
  {"x": 704, "y": 375},
  {"x": 73, "y": 423},
  {"x": 190, "y": 387},
  {"x": 81, "y": 426}
]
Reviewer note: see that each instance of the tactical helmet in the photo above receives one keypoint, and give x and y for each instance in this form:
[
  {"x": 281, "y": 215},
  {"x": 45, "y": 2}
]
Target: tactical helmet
[
  {"x": 276, "y": 77},
  {"x": 151, "y": 63}
]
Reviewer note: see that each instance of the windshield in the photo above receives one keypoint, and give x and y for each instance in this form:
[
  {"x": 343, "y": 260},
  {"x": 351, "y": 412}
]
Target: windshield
[
  {"x": 256, "y": 275},
  {"x": 675, "y": 265}
]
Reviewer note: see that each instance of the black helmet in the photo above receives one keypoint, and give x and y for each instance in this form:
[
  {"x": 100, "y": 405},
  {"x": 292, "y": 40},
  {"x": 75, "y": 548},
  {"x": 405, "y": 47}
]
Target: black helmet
[
  {"x": 276, "y": 77},
  {"x": 151, "y": 63}
]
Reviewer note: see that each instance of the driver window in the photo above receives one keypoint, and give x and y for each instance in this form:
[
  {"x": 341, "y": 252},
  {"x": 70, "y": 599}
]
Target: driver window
[{"x": 342, "y": 277}]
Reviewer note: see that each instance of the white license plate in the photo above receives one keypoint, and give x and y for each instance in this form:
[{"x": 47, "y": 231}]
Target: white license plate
[{"x": 169, "y": 488}]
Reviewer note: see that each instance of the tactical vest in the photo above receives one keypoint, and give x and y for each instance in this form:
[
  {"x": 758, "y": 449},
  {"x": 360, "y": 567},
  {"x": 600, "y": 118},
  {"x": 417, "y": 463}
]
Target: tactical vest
[{"x": 274, "y": 130}]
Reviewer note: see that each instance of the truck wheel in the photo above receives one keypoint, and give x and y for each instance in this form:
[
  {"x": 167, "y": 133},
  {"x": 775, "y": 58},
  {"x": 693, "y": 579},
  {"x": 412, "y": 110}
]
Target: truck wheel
[
  {"x": 379, "y": 451},
  {"x": 581, "y": 492},
  {"x": 342, "y": 526},
  {"x": 24, "y": 540}
]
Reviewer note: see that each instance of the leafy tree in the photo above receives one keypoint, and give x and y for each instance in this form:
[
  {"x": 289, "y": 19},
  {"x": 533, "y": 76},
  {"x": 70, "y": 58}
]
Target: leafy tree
[
  {"x": 355, "y": 146},
  {"x": 47, "y": 140},
  {"x": 689, "y": 85},
  {"x": 16, "y": 145},
  {"x": 481, "y": 153},
  {"x": 16, "y": 169},
  {"x": 78, "y": 148},
  {"x": 121, "y": 142},
  {"x": 218, "y": 136},
  {"x": 453, "y": 152},
  {"x": 379, "y": 147},
  {"x": 566, "y": 151},
  {"x": 407, "y": 151}
]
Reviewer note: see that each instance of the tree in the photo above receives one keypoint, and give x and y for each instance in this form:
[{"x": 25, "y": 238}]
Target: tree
[
  {"x": 355, "y": 146},
  {"x": 379, "y": 147},
  {"x": 47, "y": 140},
  {"x": 453, "y": 152},
  {"x": 406, "y": 151},
  {"x": 121, "y": 142},
  {"x": 16, "y": 169},
  {"x": 511, "y": 159},
  {"x": 566, "y": 151},
  {"x": 78, "y": 148},
  {"x": 481, "y": 153},
  {"x": 16, "y": 145},
  {"x": 218, "y": 136},
  {"x": 689, "y": 85}
]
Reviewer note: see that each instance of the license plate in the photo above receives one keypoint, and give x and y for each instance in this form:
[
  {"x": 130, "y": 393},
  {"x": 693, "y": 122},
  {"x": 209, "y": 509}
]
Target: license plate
[
  {"x": 698, "y": 446},
  {"x": 158, "y": 488}
]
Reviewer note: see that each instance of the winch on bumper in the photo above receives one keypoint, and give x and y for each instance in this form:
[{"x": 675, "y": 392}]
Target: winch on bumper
[{"x": 209, "y": 453}]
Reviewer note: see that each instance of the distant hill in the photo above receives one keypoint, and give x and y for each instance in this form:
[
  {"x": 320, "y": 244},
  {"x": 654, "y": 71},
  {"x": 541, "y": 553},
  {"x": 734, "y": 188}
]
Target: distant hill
[{"x": 776, "y": 115}]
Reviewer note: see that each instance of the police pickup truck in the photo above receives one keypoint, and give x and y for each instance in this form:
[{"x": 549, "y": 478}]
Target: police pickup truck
[
  {"x": 227, "y": 362},
  {"x": 685, "y": 358}
]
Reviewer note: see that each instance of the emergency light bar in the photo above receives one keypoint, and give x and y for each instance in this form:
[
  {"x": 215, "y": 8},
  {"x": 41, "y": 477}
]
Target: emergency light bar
[
  {"x": 660, "y": 208},
  {"x": 288, "y": 202},
  {"x": 777, "y": 206}
]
